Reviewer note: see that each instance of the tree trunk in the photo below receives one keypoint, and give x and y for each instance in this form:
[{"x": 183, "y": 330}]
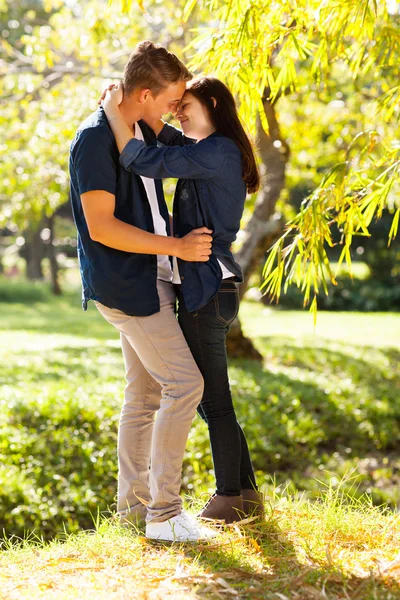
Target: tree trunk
[
  {"x": 240, "y": 346},
  {"x": 264, "y": 227},
  {"x": 54, "y": 269},
  {"x": 33, "y": 252}
]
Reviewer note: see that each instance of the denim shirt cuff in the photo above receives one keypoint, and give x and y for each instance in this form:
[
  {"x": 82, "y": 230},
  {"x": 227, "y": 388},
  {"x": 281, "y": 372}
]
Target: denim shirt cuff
[{"x": 130, "y": 152}]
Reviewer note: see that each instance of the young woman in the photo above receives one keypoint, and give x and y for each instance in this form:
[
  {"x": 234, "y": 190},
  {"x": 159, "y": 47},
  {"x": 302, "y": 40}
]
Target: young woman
[{"x": 214, "y": 161}]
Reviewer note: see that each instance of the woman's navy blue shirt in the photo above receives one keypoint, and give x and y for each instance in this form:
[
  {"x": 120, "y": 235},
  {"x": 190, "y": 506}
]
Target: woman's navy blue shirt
[{"x": 210, "y": 193}]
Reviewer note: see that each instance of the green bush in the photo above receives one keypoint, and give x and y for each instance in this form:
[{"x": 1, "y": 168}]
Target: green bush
[
  {"x": 58, "y": 464},
  {"x": 23, "y": 290},
  {"x": 58, "y": 445},
  {"x": 313, "y": 405},
  {"x": 362, "y": 295}
]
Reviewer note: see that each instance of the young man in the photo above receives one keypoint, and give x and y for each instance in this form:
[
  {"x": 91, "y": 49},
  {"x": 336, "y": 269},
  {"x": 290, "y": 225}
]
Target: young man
[{"x": 123, "y": 249}]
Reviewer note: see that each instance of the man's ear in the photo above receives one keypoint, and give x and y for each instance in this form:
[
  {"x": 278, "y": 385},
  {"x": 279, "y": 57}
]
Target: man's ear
[
  {"x": 143, "y": 96},
  {"x": 214, "y": 101}
]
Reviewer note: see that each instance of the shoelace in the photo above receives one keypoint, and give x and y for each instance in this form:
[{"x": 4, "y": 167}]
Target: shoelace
[{"x": 207, "y": 504}]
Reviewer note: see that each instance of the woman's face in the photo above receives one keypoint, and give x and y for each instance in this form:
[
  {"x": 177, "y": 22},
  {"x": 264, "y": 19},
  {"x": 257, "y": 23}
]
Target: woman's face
[{"x": 193, "y": 117}]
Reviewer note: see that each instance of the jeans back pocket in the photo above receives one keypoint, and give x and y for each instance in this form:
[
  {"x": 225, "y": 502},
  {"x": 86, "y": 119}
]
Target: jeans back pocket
[{"x": 227, "y": 303}]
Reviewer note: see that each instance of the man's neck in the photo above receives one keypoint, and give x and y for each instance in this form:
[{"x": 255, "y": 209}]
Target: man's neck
[{"x": 130, "y": 112}]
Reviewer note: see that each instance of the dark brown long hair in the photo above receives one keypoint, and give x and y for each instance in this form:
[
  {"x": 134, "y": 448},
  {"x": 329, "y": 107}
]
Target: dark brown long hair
[{"x": 225, "y": 120}]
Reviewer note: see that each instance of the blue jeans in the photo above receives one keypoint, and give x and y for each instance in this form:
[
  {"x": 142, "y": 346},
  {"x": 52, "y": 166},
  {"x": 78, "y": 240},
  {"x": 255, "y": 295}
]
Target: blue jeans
[{"x": 205, "y": 331}]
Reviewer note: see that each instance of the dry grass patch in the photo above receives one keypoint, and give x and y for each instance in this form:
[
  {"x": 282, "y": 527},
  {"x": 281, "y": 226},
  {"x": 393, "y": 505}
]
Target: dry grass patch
[{"x": 334, "y": 548}]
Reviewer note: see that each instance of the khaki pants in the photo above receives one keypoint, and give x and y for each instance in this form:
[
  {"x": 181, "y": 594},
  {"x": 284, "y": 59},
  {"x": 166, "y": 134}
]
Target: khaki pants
[{"x": 161, "y": 376}]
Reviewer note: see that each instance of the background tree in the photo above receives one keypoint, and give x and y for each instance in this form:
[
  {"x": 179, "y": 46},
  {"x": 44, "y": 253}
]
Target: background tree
[
  {"x": 54, "y": 60},
  {"x": 321, "y": 78},
  {"x": 265, "y": 48},
  {"x": 266, "y": 51}
]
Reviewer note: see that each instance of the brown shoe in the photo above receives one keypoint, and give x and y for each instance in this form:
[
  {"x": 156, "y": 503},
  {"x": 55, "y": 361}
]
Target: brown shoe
[
  {"x": 253, "y": 503},
  {"x": 223, "y": 508}
]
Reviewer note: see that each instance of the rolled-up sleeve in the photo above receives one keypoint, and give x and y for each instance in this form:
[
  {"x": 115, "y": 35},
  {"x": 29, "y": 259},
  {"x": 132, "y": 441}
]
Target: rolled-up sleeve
[{"x": 196, "y": 161}]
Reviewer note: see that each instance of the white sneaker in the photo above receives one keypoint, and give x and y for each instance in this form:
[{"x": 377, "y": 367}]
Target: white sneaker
[{"x": 181, "y": 528}]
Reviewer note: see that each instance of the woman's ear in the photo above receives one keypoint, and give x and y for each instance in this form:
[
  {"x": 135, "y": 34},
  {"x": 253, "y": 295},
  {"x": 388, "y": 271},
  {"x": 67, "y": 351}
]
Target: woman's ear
[{"x": 214, "y": 101}]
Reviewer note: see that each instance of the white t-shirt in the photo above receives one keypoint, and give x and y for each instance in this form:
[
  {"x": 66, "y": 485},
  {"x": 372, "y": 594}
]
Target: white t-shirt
[
  {"x": 164, "y": 270},
  {"x": 177, "y": 279}
]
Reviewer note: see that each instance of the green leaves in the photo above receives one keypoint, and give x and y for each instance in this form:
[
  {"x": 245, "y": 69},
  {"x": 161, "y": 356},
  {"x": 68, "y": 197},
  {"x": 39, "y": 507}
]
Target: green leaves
[
  {"x": 188, "y": 9},
  {"x": 337, "y": 202},
  {"x": 254, "y": 46},
  {"x": 388, "y": 104},
  {"x": 395, "y": 226},
  {"x": 126, "y": 5},
  {"x": 52, "y": 75},
  {"x": 248, "y": 38},
  {"x": 334, "y": 52}
]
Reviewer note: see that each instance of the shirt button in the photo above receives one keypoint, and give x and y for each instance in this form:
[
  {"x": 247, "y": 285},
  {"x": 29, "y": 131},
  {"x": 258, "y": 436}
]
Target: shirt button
[
  {"x": 182, "y": 277},
  {"x": 177, "y": 235}
]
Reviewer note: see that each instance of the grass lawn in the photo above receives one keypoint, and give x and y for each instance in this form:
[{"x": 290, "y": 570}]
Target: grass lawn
[
  {"x": 348, "y": 329},
  {"x": 324, "y": 402},
  {"x": 328, "y": 550}
]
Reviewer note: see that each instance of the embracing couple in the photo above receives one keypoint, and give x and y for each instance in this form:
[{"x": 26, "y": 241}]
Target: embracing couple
[{"x": 168, "y": 283}]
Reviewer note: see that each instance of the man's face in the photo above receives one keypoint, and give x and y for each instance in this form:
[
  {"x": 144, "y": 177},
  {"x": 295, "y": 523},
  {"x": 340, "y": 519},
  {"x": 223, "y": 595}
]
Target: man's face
[{"x": 167, "y": 101}]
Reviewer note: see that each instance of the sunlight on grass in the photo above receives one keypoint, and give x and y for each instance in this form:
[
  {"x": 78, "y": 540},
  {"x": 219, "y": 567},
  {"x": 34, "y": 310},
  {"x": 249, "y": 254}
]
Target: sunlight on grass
[
  {"x": 316, "y": 404},
  {"x": 380, "y": 330},
  {"x": 323, "y": 403},
  {"x": 336, "y": 545}
]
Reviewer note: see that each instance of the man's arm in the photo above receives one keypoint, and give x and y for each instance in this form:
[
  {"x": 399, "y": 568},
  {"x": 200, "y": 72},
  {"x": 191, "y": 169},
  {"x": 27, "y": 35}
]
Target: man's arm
[
  {"x": 94, "y": 161},
  {"x": 104, "y": 227}
]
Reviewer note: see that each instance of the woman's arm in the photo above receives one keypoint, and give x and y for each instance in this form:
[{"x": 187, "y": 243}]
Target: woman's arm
[
  {"x": 203, "y": 160},
  {"x": 172, "y": 136},
  {"x": 193, "y": 161},
  {"x": 122, "y": 132}
]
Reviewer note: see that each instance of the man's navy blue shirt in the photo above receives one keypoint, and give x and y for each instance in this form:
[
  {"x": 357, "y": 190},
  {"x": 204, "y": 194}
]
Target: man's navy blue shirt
[
  {"x": 123, "y": 280},
  {"x": 210, "y": 193}
]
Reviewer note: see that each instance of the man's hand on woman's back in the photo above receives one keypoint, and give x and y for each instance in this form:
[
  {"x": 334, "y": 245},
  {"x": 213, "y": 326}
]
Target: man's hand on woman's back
[{"x": 195, "y": 246}]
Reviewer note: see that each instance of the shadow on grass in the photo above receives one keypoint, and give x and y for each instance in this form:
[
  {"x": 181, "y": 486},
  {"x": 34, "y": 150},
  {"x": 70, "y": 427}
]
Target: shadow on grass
[
  {"x": 281, "y": 412},
  {"x": 271, "y": 569},
  {"x": 292, "y": 425},
  {"x": 315, "y": 358},
  {"x": 299, "y": 423}
]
